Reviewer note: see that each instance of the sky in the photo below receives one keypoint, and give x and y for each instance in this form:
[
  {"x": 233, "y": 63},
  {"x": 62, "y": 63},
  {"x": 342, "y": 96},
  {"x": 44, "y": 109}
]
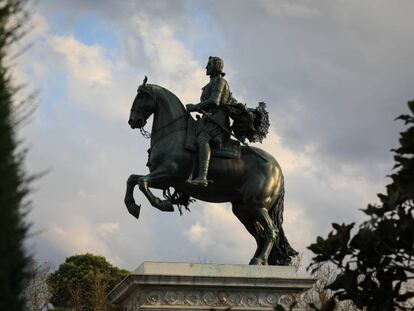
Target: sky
[{"x": 334, "y": 74}]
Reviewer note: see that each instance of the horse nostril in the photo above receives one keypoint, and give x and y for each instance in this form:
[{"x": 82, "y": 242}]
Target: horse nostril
[{"x": 130, "y": 121}]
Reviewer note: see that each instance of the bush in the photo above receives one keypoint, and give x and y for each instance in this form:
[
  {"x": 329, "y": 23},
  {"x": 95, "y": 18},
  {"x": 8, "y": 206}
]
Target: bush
[{"x": 82, "y": 282}]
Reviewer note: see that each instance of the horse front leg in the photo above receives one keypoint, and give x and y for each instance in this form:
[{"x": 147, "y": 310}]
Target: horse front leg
[
  {"x": 155, "y": 180},
  {"x": 133, "y": 208}
]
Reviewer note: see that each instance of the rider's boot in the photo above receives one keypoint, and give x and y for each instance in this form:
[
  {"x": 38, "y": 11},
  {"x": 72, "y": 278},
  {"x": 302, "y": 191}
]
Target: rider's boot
[{"x": 204, "y": 153}]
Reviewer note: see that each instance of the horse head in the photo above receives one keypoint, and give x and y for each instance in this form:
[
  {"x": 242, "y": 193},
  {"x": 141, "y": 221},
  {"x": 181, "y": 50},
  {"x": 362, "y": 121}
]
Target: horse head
[{"x": 143, "y": 106}]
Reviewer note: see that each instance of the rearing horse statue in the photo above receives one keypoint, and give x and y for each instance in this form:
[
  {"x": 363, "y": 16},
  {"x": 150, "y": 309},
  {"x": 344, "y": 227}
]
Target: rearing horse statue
[{"x": 253, "y": 183}]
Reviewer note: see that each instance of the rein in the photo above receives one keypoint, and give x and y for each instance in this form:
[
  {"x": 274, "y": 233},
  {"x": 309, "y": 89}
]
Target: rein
[
  {"x": 166, "y": 126},
  {"x": 152, "y": 135}
]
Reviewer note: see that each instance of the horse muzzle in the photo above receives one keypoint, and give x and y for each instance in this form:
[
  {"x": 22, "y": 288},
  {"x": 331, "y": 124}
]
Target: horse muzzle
[{"x": 136, "y": 122}]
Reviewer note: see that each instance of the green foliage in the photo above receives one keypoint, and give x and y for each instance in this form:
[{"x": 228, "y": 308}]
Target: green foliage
[
  {"x": 73, "y": 284},
  {"x": 13, "y": 182},
  {"x": 377, "y": 261}
]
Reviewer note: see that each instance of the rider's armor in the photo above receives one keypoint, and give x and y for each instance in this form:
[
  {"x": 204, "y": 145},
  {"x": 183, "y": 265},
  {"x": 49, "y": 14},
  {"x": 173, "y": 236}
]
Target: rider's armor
[
  {"x": 213, "y": 128},
  {"x": 217, "y": 93}
]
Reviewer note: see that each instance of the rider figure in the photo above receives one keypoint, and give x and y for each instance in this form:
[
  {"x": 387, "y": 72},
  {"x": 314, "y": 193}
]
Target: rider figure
[{"x": 215, "y": 127}]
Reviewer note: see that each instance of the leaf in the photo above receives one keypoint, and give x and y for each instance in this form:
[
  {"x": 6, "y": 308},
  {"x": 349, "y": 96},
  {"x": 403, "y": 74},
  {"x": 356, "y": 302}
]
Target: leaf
[
  {"x": 405, "y": 296},
  {"x": 373, "y": 210},
  {"x": 411, "y": 106},
  {"x": 404, "y": 117}
]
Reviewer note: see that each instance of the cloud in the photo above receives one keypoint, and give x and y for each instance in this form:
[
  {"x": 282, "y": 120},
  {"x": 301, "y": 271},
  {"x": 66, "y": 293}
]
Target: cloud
[
  {"x": 93, "y": 80},
  {"x": 336, "y": 66},
  {"x": 26, "y": 69},
  {"x": 332, "y": 81},
  {"x": 85, "y": 64},
  {"x": 82, "y": 135},
  {"x": 170, "y": 63},
  {"x": 283, "y": 8},
  {"x": 81, "y": 238},
  {"x": 219, "y": 236},
  {"x": 289, "y": 160},
  {"x": 108, "y": 228}
]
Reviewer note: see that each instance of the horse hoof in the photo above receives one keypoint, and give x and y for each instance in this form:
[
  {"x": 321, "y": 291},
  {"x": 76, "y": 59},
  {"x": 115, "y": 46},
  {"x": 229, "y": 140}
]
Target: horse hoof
[
  {"x": 134, "y": 209},
  {"x": 257, "y": 262}
]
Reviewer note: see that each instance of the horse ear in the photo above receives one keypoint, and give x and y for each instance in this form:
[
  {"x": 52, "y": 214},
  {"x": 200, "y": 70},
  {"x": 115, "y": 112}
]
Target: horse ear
[{"x": 144, "y": 83}]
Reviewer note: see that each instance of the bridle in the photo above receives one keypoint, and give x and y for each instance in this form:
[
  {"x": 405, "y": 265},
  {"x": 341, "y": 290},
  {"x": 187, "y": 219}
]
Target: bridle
[{"x": 148, "y": 90}]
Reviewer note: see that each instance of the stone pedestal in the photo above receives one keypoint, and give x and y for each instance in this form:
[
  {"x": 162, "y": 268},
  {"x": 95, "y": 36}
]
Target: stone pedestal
[{"x": 160, "y": 286}]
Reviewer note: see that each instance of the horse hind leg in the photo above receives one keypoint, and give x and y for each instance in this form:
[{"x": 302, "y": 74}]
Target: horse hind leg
[
  {"x": 270, "y": 232},
  {"x": 253, "y": 227}
]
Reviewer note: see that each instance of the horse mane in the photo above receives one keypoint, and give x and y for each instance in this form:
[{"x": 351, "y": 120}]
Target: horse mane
[{"x": 167, "y": 95}]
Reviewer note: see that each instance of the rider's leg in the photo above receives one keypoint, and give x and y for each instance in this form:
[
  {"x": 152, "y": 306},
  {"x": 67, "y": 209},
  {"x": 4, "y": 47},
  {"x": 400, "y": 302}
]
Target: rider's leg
[{"x": 204, "y": 153}]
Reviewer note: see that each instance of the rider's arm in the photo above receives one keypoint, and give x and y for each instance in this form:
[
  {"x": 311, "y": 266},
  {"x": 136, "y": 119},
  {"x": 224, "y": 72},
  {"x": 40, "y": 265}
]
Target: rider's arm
[{"x": 214, "y": 99}]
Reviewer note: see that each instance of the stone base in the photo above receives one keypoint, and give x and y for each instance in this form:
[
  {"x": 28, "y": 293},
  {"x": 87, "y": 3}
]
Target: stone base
[{"x": 160, "y": 286}]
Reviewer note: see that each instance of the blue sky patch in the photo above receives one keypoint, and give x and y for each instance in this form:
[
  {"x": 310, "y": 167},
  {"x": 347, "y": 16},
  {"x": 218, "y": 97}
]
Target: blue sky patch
[{"x": 91, "y": 30}]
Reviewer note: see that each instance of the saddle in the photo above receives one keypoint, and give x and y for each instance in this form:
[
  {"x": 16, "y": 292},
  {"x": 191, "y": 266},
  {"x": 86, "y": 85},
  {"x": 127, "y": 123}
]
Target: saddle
[{"x": 230, "y": 149}]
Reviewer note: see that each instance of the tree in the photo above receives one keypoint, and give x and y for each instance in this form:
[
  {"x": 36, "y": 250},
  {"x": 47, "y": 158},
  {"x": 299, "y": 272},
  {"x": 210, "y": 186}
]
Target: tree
[
  {"x": 37, "y": 292},
  {"x": 318, "y": 296},
  {"x": 82, "y": 281},
  {"x": 377, "y": 262},
  {"x": 14, "y": 261}
]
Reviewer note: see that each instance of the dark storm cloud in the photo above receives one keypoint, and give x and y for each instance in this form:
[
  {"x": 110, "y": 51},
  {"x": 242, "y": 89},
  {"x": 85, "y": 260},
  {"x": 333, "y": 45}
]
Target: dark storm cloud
[
  {"x": 346, "y": 63},
  {"x": 336, "y": 74}
]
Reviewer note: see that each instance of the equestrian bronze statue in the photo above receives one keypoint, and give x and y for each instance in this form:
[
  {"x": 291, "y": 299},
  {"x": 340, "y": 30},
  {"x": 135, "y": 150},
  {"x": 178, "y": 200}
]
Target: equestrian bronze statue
[{"x": 198, "y": 159}]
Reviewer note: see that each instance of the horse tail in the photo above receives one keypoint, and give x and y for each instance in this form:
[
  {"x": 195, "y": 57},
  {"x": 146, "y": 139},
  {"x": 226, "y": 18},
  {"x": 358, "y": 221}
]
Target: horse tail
[{"x": 282, "y": 252}]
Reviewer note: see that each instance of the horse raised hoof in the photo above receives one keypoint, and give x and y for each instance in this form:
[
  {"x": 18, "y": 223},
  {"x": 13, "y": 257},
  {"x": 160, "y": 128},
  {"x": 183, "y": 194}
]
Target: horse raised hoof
[
  {"x": 257, "y": 262},
  {"x": 133, "y": 209}
]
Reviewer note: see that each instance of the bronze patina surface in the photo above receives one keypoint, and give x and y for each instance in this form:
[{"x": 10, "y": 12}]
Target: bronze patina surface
[{"x": 252, "y": 183}]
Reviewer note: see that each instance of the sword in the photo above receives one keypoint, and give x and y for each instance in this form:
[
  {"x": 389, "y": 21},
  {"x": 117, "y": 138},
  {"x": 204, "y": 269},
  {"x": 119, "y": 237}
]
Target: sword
[{"x": 230, "y": 133}]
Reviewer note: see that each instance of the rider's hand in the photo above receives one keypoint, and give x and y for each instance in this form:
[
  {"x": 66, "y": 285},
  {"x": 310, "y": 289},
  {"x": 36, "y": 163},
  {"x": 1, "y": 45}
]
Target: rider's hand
[{"x": 191, "y": 107}]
